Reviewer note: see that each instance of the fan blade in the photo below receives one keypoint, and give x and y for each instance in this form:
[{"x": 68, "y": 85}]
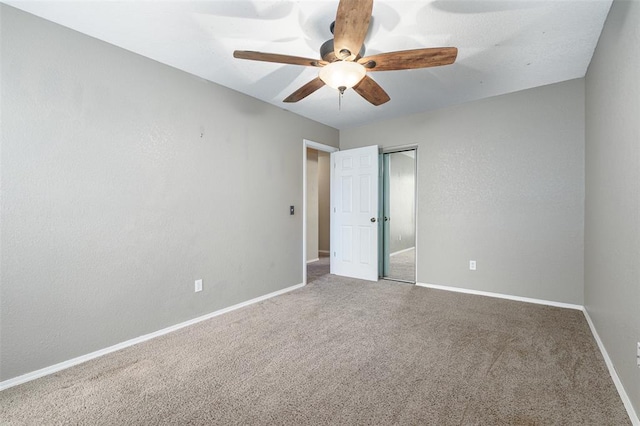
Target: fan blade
[
  {"x": 352, "y": 23},
  {"x": 305, "y": 90},
  {"x": 277, "y": 58},
  {"x": 371, "y": 91},
  {"x": 410, "y": 59}
]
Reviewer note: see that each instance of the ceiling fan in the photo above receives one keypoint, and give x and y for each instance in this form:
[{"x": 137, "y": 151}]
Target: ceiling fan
[{"x": 343, "y": 64}]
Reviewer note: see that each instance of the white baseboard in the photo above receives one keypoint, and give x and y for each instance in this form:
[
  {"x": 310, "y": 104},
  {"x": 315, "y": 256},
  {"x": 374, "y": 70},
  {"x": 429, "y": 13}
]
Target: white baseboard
[
  {"x": 504, "y": 296},
  {"x": 635, "y": 421},
  {"x": 313, "y": 260},
  {"x": 395, "y": 253},
  {"x": 324, "y": 251},
  {"x": 83, "y": 358}
]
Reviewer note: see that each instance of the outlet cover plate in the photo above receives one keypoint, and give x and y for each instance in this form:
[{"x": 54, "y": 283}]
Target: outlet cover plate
[{"x": 472, "y": 265}]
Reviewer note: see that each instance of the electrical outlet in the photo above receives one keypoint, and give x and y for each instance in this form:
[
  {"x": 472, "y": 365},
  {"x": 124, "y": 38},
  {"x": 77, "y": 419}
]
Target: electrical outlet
[
  {"x": 472, "y": 265},
  {"x": 198, "y": 285}
]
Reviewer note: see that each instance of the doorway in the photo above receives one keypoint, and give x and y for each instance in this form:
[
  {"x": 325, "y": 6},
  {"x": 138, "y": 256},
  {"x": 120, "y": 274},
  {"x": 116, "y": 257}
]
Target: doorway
[
  {"x": 398, "y": 206},
  {"x": 316, "y": 210}
]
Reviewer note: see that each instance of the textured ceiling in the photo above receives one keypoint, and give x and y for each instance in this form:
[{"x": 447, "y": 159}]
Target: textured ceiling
[{"x": 504, "y": 45}]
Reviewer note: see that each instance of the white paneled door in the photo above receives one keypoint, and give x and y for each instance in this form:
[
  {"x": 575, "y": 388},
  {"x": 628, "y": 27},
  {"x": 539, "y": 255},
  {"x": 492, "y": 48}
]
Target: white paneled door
[{"x": 354, "y": 213}]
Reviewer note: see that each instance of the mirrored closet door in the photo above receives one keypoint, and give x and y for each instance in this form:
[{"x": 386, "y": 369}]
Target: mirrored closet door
[{"x": 398, "y": 207}]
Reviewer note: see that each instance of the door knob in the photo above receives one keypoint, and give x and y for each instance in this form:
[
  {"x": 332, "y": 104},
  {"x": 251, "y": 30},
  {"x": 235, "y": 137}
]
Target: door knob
[{"x": 373, "y": 219}]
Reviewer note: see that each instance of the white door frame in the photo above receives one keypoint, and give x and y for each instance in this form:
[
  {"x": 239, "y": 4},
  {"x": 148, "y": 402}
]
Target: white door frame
[{"x": 319, "y": 147}]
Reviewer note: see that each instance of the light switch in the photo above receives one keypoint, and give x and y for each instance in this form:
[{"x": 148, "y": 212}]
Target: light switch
[{"x": 292, "y": 210}]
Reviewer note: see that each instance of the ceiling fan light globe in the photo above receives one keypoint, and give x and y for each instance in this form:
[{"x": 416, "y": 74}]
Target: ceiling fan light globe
[{"x": 342, "y": 74}]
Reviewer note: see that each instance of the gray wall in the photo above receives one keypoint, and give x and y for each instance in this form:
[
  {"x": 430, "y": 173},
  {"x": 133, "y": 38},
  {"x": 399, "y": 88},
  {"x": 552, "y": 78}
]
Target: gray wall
[
  {"x": 324, "y": 200},
  {"x": 612, "y": 208},
  {"x": 500, "y": 181},
  {"x": 123, "y": 181},
  {"x": 312, "y": 204}
]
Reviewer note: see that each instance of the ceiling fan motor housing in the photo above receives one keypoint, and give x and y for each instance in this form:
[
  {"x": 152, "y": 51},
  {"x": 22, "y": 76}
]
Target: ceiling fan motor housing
[{"x": 327, "y": 53}]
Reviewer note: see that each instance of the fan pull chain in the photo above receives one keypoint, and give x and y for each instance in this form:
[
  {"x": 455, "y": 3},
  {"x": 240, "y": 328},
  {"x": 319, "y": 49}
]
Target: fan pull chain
[{"x": 341, "y": 89}]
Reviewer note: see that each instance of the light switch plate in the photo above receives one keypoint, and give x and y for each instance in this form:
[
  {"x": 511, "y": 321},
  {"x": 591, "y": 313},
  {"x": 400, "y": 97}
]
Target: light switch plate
[{"x": 198, "y": 285}]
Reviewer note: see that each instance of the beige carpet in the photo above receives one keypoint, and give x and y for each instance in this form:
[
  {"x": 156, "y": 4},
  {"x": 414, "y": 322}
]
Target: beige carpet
[
  {"x": 344, "y": 352},
  {"x": 318, "y": 269}
]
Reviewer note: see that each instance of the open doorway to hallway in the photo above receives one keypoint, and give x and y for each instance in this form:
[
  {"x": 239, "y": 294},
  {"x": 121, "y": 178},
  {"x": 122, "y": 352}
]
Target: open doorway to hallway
[
  {"x": 318, "y": 207},
  {"x": 316, "y": 230}
]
